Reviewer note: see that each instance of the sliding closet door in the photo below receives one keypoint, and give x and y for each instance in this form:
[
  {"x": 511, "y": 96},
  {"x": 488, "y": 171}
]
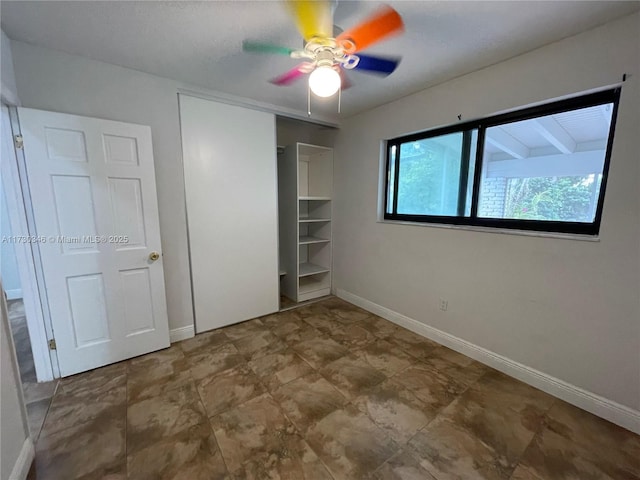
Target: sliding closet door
[{"x": 230, "y": 172}]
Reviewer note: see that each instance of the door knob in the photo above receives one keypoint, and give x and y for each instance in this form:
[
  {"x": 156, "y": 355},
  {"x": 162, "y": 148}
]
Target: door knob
[{"x": 153, "y": 256}]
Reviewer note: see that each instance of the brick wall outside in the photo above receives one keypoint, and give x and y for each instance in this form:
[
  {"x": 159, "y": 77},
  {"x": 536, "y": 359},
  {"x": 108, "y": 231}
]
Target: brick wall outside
[{"x": 492, "y": 197}]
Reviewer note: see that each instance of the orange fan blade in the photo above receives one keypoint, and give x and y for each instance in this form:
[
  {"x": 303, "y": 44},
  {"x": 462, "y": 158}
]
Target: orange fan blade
[
  {"x": 381, "y": 24},
  {"x": 313, "y": 18}
]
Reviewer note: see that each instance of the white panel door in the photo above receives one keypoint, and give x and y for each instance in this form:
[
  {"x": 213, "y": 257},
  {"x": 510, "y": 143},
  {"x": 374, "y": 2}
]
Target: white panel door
[
  {"x": 92, "y": 185},
  {"x": 229, "y": 157}
]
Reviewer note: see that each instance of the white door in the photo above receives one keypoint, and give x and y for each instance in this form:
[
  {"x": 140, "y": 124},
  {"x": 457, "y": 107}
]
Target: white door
[
  {"x": 93, "y": 193},
  {"x": 230, "y": 172}
]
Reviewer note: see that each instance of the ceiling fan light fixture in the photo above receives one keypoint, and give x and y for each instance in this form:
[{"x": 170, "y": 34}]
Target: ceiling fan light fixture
[{"x": 324, "y": 81}]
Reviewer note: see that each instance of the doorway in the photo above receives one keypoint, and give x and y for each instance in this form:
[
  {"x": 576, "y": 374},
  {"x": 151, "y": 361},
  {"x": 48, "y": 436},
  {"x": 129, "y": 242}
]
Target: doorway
[{"x": 37, "y": 395}]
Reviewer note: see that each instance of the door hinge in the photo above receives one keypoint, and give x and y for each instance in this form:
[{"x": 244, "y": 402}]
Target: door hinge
[
  {"x": 52, "y": 344},
  {"x": 18, "y": 141}
]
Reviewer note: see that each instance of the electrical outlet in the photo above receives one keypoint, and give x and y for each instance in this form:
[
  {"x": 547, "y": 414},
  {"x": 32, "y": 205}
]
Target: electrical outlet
[{"x": 444, "y": 304}]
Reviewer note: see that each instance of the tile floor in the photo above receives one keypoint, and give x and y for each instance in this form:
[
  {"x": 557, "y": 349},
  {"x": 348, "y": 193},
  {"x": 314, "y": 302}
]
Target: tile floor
[{"x": 326, "y": 391}]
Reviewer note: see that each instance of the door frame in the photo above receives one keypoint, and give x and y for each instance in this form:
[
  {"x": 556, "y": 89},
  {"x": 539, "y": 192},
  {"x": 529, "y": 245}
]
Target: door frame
[{"x": 15, "y": 184}]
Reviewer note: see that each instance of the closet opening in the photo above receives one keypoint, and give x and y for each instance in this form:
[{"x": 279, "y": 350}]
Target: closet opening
[{"x": 305, "y": 211}]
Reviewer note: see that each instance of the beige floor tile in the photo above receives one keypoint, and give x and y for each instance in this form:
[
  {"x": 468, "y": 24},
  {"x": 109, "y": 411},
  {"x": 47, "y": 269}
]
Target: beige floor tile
[
  {"x": 71, "y": 409},
  {"x": 436, "y": 389},
  {"x": 386, "y": 357},
  {"x": 155, "y": 418},
  {"x": 345, "y": 312},
  {"x": 353, "y": 336},
  {"x": 94, "y": 382},
  {"x": 614, "y": 450},
  {"x": 457, "y": 366},
  {"x": 312, "y": 310},
  {"x": 402, "y": 466},
  {"x": 229, "y": 388},
  {"x": 174, "y": 352},
  {"x": 324, "y": 323},
  {"x": 496, "y": 388},
  {"x": 287, "y": 327},
  {"x": 350, "y": 444},
  {"x": 91, "y": 450},
  {"x": 244, "y": 329},
  {"x": 380, "y": 327},
  {"x": 211, "y": 361},
  {"x": 352, "y": 396},
  {"x": 302, "y": 333},
  {"x": 254, "y": 430},
  {"x": 352, "y": 375},
  {"x": 202, "y": 341},
  {"x": 277, "y": 369},
  {"x": 258, "y": 345},
  {"x": 507, "y": 431},
  {"x": 522, "y": 472},
  {"x": 319, "y": 351},
  {"x": 395, "y": 410},
  {"x": 276, "y": 320},
  {"x": 295, "y": 460},
  {"x": 450, "y": 452},
  {"x": 191, "y": 454},
  {"x": 412, "y": 343},
  {"x": 153, "y": 377},
  {"x": 554, "y": 457},
  {"x": 308, "y": 399}
]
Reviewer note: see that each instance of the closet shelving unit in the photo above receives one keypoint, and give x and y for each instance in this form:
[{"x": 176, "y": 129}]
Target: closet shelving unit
[{"x": 305, "y": 186}]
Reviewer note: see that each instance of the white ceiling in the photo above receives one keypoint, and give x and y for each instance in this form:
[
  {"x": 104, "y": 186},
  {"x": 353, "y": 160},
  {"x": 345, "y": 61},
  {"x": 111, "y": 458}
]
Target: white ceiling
[{"x": 200, "y": 42}]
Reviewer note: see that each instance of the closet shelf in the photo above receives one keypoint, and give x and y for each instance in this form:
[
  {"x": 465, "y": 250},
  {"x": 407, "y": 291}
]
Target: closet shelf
[
  {"x": 306, "y": 269},
  {"x": 312, "y": 287},
  {"x": 306, "y": 240},
  {"x": 315, "y": 198},
  {"x": 312, "y": 220}
]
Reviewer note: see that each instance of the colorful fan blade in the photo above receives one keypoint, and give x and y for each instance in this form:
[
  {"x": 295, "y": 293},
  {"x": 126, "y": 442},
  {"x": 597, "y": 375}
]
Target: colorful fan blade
[
  {"x": 382, "y": 66},
  {"x": 249, "y": 46},
  {"x": 381, "y": 24},
  {"x": 290, "y": 76},
  {"x": 313, "y": 18}
]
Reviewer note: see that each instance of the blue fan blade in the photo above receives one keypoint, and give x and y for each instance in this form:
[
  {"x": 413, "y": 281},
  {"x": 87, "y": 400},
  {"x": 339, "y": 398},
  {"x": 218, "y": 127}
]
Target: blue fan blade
[{"x": 383, "y": 66}]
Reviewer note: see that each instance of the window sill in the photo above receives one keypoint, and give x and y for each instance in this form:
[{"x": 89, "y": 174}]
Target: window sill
[{"x": 501, "y": 231}]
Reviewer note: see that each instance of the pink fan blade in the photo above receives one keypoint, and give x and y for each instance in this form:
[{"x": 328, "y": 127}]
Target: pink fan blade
[{"x": 290, "y": 76}]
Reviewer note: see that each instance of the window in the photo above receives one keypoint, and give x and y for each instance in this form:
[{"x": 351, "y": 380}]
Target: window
[{"x": 542, "y": 168}]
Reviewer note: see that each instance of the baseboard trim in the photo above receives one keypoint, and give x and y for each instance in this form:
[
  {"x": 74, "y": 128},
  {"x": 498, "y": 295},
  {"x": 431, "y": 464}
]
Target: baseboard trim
[
  {"x": 181, "y": 333},
  {"x": 23, "y": 462},
  {"x": 608, "y": 409},
  {"x": 14, "y": 294}
]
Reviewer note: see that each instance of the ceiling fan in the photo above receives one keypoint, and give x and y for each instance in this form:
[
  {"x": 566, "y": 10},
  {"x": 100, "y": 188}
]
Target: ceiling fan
[{"x": 328, "y": 56}]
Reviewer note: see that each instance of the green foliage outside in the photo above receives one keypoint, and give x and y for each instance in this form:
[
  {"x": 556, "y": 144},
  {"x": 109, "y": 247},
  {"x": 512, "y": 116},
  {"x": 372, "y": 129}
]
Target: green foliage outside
[
  {"x": 429, "y": 177},
  {"x": 552, "y": 198}
]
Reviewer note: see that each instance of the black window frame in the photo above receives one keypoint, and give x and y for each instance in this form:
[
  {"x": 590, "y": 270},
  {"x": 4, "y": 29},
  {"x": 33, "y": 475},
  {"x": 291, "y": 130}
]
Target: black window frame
[{"x": 574, "y": 103}]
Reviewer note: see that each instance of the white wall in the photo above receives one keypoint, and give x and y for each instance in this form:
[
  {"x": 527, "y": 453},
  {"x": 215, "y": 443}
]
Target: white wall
[
  {"x": 9, "y": 92},
  {"x": 12, "y": 414},
  {"x": 289, "y": 131},
  {"x": 8, "y": 263},
  {"x": 51, "y": 80},
  {"x": 568, "y": 308}
]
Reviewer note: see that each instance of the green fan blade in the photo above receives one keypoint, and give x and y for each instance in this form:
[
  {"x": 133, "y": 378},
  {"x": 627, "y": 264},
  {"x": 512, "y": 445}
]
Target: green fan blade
[{"x": 255, "y": 47}]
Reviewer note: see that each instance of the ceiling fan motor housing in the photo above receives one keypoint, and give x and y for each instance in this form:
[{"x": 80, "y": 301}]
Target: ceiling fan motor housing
[{"x": 326, "y": 52}]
